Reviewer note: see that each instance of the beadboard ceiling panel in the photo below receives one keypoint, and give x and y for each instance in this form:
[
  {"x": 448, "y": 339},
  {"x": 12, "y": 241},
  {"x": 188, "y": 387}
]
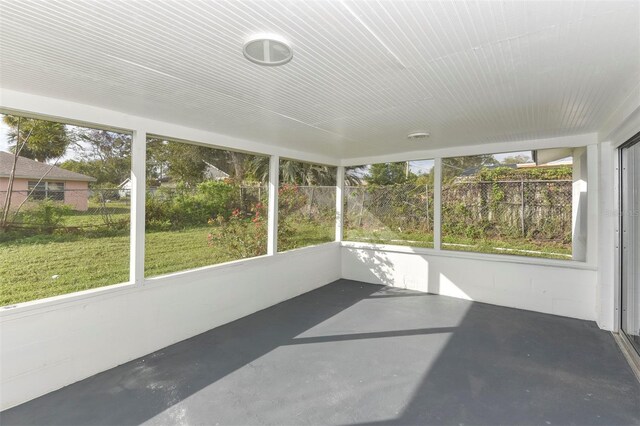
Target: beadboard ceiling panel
[{"x": 364, "y": 74}]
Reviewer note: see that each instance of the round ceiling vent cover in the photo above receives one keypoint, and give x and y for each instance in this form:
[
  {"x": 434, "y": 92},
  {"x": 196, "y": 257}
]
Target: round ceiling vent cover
[
  {"x": 418, "y": 135},
  {"x": 267, "y": 49}
]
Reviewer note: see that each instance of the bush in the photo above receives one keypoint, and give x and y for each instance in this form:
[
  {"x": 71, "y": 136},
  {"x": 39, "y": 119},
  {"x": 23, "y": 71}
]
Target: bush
[
  {"x": 242, "y": 235},
  {"x": 290, "y": 200},
  {"x": 47, "y": 215},
  {"x": 187, "y": 207}
]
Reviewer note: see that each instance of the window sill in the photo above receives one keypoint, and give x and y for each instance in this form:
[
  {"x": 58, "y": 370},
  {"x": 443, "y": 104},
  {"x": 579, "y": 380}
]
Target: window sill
[{"x": 557, "y": 263}]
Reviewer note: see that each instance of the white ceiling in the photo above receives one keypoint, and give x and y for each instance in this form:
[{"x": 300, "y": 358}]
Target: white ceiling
[{"x": 364, "y": 74}]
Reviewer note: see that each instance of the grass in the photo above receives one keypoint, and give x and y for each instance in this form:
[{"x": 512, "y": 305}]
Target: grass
[
  {"x": 386, "y": 236},
  {"x": 513, "y": 246},
  {"x": 173, "y": 251},
  {"x": 44, "y": 266},
  {"x": 303, "y": 233}
]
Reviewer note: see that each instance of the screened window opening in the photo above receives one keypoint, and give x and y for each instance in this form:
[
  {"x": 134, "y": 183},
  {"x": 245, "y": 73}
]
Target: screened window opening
[
  {"x": 65, "y": 209},
  {"x": 390, "y": 203},
  {"x": 511, "y": 203},
  {"x": 204, "y": 206},
  {"x": 306, "y": 204}
]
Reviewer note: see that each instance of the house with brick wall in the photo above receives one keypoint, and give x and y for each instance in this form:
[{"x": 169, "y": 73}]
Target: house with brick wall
[{"x": 39, "y": 181}]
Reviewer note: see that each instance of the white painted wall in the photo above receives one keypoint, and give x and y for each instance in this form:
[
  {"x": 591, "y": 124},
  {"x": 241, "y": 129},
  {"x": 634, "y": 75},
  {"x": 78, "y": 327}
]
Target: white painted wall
[
  {"x": 52, "y": 343},
  {"x": 555, "y": 287}
]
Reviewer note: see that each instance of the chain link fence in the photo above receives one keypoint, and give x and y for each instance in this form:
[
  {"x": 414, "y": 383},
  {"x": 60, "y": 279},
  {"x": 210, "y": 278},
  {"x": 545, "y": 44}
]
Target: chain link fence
[
  {"x": 399, "y": 214},
  {"x": 310, "y": 202},
  {"x": 306, "y": 215},
  {"x": 71, "y": 209},
  {"x": 533, "y": 209}
]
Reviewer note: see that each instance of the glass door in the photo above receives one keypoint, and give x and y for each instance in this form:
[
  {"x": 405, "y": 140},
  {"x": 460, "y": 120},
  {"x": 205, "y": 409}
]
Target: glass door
[{"x": 630, "y": 227}]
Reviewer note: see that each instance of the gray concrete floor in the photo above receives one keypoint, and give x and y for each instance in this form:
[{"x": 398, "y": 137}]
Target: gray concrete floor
[{"x": 354, "y": 353}]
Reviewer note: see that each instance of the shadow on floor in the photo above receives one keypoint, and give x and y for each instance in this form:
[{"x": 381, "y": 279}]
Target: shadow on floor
[{"x": 354, "y": 353}]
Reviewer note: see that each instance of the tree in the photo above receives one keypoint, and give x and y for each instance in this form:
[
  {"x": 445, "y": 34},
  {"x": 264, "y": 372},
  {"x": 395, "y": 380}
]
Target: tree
[
  {"x": 181, "y": 162},
  {"x": 516, "y": 159},
  {"x": 455, "y": 166},
  {"x": 102, "y": 154},
  {"x": 294, "y": 172},
  {"x": 47, "y": 140},
  {"x": 37, "y": 139},
  {"x": 387, "y": 174}
]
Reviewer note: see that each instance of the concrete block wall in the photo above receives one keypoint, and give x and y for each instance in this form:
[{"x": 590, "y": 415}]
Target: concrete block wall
[
  {"x": 558, "y": 288},
  {"x": 53, "y": 343}
]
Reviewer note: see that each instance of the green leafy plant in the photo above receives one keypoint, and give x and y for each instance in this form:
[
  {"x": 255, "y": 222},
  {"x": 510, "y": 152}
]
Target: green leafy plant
[
  {"x": 47, "y": 215},
  {"x": 241, "y": 234},
  {"x": 185, "y": 206}
]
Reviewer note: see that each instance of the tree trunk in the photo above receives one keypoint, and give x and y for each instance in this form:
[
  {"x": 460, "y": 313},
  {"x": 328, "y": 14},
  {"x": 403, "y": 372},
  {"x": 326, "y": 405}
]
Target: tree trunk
[{"x": 12, "y": 177}]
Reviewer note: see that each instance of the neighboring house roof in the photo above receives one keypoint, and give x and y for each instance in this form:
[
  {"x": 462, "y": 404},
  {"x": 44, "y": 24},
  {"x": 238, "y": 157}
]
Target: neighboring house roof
[
  {"x": 31, "y": 169},
  {"x": 126, "y": 184},
  {"x": 212, "y": 172}
]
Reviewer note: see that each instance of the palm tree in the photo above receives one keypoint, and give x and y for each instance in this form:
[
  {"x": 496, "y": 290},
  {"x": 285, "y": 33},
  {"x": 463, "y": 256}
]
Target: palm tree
[{"x": 300, "y": 173}]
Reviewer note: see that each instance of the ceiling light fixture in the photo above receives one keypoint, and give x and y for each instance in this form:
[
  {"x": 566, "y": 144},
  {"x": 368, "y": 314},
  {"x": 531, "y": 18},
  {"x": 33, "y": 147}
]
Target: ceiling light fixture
[
  {"x": 267, "y": 49},
  {"x": 418, "y": 135}
]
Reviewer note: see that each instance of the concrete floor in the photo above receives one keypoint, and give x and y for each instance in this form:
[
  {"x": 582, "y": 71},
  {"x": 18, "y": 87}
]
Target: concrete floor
[{"x": 354, "y": 353}]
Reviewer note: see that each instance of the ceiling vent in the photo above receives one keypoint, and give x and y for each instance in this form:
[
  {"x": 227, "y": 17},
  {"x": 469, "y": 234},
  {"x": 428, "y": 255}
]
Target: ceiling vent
[
  {"x": 418, "y": 135},
  {"x": 267, "y": 49}
]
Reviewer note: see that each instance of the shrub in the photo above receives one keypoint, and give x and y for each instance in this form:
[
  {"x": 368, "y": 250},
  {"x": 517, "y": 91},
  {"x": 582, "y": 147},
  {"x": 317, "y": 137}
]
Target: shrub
[
  {"x": 242, "y": 235},
  {"x": 188, "y": 207},
  {"x": 290, "y": 200},
  {"x": 47, "y": 215}
]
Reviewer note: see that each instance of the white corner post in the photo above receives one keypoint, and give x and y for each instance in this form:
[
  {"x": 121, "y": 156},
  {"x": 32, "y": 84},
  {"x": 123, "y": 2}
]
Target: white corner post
[
  {"x": 272, "y": 220},
  {"x": 579, "y": 205},
  {"x": 339, "y": 203},
  {"x": 437, "y": 203},
  {"x": 138, "y": 194},
  {"x": 593, "y": 200}
]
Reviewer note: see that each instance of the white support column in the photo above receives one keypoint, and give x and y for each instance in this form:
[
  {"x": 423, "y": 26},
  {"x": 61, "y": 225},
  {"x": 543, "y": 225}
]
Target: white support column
[
  {"x": 339, "y": 203},
  {"x": 593, "y": 192},
  {"x": 579, "y": 205},
  {"x": 437, "y": 203},
  {"x": 274, "y": 183},
  {"x": 138, "y": 194}
]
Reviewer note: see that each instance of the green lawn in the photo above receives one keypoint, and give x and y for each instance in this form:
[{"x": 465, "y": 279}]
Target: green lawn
[
  {"x": 173, "y": 251},
  {"x": 386, "y": 236},
  {"x": 43, "y": 266},
  {"x": 516, "y": 246}
]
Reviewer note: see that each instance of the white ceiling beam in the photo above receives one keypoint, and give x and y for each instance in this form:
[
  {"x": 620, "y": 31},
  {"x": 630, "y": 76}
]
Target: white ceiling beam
[
  {"x": 492, "y": 148},
  {"x": 91, "y": 116}
]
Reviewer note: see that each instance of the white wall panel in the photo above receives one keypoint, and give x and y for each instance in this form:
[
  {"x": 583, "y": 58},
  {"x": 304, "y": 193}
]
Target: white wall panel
[{"x": 561, "y": 290}]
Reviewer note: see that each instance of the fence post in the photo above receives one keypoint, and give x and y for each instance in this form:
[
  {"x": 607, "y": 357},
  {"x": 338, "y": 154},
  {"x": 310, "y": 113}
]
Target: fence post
[
  {"x": 426, "y": 193},
  {"x": 272, "y": 220}
]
